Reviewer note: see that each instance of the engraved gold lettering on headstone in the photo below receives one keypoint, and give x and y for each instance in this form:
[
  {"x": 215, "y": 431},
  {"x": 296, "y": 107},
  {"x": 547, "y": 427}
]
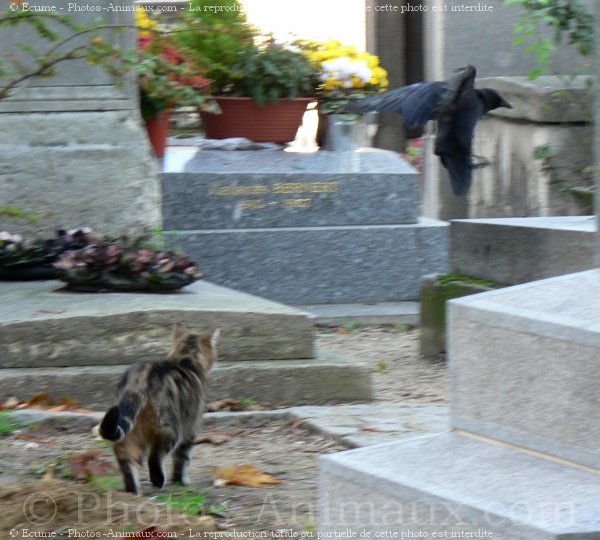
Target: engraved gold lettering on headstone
[
  {"x": 296, "y": 203},
  {"x": 275, "y": 189}
]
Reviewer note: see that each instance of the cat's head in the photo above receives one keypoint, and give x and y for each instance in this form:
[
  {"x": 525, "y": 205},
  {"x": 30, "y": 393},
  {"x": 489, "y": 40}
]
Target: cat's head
[{"x": 188, "y": 345}]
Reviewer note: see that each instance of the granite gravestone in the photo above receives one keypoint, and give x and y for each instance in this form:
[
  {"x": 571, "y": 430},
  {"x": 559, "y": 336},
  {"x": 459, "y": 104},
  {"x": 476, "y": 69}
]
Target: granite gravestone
[
  {"x": 72, "y": 147},
  {"x": 301, "y": 228}
]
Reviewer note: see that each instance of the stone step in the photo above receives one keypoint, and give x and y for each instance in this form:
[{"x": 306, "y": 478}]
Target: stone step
[
  {"x": 518, "y": 250},
  {"x": 41, "y": 326},
  {"x": 376, "y": 313},
  {"x": 324, "y": 379},
  {"x": 452, "y": 486}
]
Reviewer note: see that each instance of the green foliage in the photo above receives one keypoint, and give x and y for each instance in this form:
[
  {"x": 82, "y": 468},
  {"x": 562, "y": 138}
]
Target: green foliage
[
  {"x": 7, "y": 424},
  {"x": 272, "y": 72},
  {"x": 217, "y": 32},
  {"x": 191, "y": 502},
  {"x": 570, "y": 18},
  {"x": 31, "y": 217},
  {"x": 351, "y": 326},
  {"x": 57, "y": 43},
  {"x": 452, "y": 278},
  {"x": 165, "y": 75},
  {"x": 542, "y": 151},
  {"x": 106, "y": 482}
]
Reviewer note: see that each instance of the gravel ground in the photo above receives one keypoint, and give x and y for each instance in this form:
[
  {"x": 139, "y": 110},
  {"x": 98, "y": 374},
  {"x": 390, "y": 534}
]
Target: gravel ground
[
  {"x": 278, "y": 447},
  {"x": 399, "y": 375}
]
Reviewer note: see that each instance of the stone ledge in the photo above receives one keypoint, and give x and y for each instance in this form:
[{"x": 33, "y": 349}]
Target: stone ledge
[
  {"x": 456, "y": 483},
  {"x": 547, "y": 99},
  {"x": 518, "y": 250},
  {"x": 42, "y": 327}
]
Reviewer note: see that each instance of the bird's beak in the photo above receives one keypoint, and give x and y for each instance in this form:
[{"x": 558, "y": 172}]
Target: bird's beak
[{"x": 506, "y": 104}]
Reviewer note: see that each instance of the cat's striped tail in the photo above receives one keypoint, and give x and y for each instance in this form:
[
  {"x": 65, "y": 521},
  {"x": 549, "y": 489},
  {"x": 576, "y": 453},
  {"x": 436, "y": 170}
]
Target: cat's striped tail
[{"x": 119, "y": 420}]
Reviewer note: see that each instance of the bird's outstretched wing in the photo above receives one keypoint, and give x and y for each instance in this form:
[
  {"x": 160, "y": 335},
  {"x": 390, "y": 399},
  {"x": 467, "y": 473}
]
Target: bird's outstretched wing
[{"x": 418, "y": 103}]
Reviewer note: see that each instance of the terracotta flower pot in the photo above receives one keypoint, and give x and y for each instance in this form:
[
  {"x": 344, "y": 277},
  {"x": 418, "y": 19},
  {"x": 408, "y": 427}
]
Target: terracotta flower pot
[
  {"x": 242, "y": 117},
  {"x": 158, "y": 129}
]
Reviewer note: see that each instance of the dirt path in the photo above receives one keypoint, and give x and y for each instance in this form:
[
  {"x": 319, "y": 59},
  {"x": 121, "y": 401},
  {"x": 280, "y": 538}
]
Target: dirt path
[{"x": 286, "y": 451}]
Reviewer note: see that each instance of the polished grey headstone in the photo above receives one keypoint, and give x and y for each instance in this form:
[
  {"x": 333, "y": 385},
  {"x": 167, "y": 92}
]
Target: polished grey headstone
[
  {"x": 524, "y": 365},
  {"x": 322, "y": 264},
  {"x": 273, "y": 188}
]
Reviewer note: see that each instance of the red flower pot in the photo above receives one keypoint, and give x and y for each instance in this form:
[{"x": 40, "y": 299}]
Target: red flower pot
[
  {"x": 158, "y": 129},
  {"x": 242, "y": 117}
]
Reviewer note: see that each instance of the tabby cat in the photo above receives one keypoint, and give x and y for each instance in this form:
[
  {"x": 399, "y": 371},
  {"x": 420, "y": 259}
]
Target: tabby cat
[{"x": 159, "y": 408}]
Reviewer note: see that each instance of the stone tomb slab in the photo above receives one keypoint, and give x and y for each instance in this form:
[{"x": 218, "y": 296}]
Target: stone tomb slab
[
  {"x": 518, "y": 250},
  {"x": 42, "y": 326},
  {"x": 273, "y": 188},
  {"x": 453, "y": 486},
  {"x": 525, "y": 364}
]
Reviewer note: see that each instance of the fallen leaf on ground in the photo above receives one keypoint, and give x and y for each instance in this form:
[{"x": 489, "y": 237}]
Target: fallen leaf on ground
[
  {"x": 242, "y": 475},
  {"x": 68, "y": 401},
  {"x": 212, "y": 437},
  {"x": 43, "y": 398},
  {"x": 10, "y": 403},
  {"x": 221, "y": 405},
  {"x": 230, "y": 404},
  {"x": 370, "y": 428},
  {"x": 33, "y": 437}
]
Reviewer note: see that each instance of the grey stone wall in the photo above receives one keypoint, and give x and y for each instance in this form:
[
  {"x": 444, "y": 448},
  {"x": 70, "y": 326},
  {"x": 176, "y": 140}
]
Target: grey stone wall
[
  {"x": 483, "y": 39},
  {"x": 540, "y": 154},
  {"x": 72, "y": 147}
]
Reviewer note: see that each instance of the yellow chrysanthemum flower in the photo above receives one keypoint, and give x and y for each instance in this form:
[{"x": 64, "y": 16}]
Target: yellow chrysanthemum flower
[{"x": 143, "y": 21}]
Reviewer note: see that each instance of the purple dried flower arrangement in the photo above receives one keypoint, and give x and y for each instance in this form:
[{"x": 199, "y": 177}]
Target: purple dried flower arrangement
[
  {"x": 118, "y": 266},
  {"x": 24, "y": 260}
]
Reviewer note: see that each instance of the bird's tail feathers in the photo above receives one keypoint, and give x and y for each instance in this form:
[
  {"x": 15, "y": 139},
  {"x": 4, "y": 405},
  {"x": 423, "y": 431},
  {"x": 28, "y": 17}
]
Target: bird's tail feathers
[{"x": 460, "y": 169}]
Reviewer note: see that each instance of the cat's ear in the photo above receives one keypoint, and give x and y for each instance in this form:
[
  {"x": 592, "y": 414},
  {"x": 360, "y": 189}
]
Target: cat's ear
[
  {"x": 214, "y": 339},
  {"x": 178, "y": 333},
  {"x": 209, "y": 349}
]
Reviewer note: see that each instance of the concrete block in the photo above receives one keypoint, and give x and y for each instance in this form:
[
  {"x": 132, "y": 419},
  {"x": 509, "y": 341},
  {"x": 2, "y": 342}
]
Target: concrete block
[
  {"x": 518, "y": 250},
  {"x": 43, "y": 326},
  {"x": 524, "y": 361},
  {"x": 373, "y": 263},
  {"x": 435, "y": 292},
  {"x": 326, "y": 379},
  {"x": 452, "y": 486}
]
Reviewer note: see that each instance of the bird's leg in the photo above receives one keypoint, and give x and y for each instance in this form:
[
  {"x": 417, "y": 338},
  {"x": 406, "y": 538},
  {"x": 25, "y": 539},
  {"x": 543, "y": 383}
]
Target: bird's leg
[{"x": 479, "y": 162}]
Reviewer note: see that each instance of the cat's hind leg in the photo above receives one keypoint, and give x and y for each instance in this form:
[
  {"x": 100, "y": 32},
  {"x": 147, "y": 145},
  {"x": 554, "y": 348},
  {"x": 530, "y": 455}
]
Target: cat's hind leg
[
  {"x": 181, "y": 461},
  {"x": 162, "y": 445},
  {"x": 129, "y": 457}
]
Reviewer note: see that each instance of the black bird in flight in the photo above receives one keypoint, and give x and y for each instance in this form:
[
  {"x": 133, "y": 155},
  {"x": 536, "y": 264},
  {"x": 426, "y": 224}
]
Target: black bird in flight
[{"x": 455, "y": 104}]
